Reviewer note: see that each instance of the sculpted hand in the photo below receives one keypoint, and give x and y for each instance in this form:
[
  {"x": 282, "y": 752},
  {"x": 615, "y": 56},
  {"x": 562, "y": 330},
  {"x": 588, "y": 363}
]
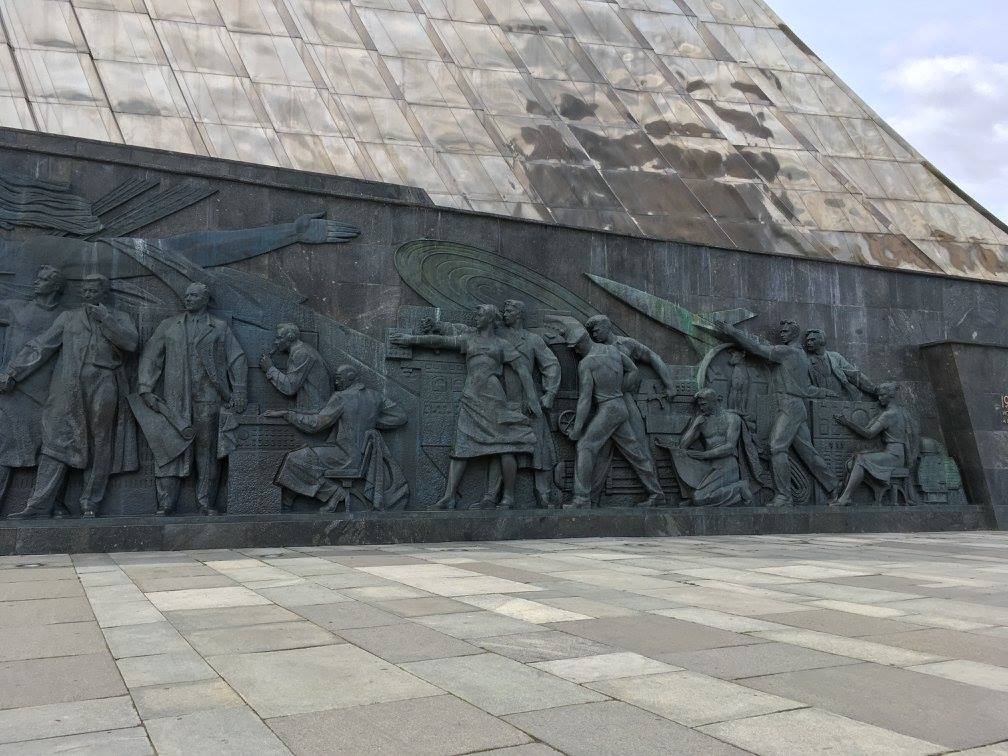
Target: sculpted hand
[
  {"x": 401, "y": 339},
  {"x": 265, "y": 362},
  {"x": 275, "y": 413},
  {"x": 315, "y": 229},
  {"x": 6, "y": 382},
  {"x": 547, "y": 401},
  {"x": 99, "y": 312},
  {"x": 238, "y": 404},
  {"x": 574, "y": 434},
  {"x": 150, "y": 400}
]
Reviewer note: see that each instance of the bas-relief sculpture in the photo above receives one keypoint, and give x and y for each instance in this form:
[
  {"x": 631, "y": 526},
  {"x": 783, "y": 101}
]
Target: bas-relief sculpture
[{"x": 509, "y": 392}]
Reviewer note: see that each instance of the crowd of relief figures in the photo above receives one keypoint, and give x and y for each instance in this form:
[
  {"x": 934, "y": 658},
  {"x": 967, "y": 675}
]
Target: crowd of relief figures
[{"x": 211, "y": 390}]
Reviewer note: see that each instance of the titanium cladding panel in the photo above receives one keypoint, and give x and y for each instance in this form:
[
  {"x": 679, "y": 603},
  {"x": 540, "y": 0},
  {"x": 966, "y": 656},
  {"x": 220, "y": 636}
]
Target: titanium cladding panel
[{"x": 704, "y": 121}]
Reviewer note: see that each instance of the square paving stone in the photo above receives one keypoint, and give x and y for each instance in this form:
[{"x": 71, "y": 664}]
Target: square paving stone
[
  {"x": 276, "y": 683},
  {"x": 951, "y": 644},
  {"x": 737, "y": 662},
  {"x": 419, "y": 607},
  {"x": 480, "y": 624},
  {"x": 205, "y": 598},
  {"x": 262, "y": 637},
  {"x": 237, "y": 732},
  {"x": 161, "y": 669},
  {"x": 611, "y": 727},
  {"x": 208, "y": 619},
  {"x": 176, "y": 699},
  {"x": 144, "y": 640},
  {"x": 499, "y": 685},
  {"x": 130, "y": 741},
  {"x": 346, "y": 615},
  {"x": 930, "y": 708},
  {"x": 67, "y": 718},
  {"x": 65, "y": 639},
  {"x": 67, "y": 678},
  {"x": 44, "y": 611},
  {"x": 408, "y": 642},
  {"x": 842, "y": 623},
  {"x": 542, "y": 646},
  {"x": 816, "y": 731},
  {"x": 437, "y": 726},
  {"x": 692, "y": 699},
  {"x": 651, "y": 635}
]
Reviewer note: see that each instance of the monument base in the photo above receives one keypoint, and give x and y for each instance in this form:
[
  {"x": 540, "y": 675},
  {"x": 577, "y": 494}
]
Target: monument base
[{"x": 237, "y": 531}]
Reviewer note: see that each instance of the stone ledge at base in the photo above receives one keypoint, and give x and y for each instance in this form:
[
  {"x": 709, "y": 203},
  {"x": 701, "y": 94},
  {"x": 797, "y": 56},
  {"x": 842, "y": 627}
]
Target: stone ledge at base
[{"x": 229, "y": 532}]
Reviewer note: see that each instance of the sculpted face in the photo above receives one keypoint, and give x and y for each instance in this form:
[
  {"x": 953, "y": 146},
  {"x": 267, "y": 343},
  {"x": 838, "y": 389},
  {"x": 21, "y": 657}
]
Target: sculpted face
[
  {"x": 512, "y": 313},
  {"x": 787, "y": 332},
  {"x": 93, "y": 291},
  {"x": 345, "y": 377},
  {"x": 485, "y": 317},
  {"x": 886, "y": 394},
  {"x": 706, "y": 404},
  {"x": 815, "y": 342},
  {"x": 47, "y": 281},
  {"x": 600, "y": 330},
  {"x": 196, "y": 299},
  {"x": 285, "y": 339}
]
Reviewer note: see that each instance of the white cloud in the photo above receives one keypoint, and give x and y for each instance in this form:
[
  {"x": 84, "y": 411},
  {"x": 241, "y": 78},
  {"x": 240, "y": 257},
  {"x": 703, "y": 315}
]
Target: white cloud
[{"x": 954, "y": 110}]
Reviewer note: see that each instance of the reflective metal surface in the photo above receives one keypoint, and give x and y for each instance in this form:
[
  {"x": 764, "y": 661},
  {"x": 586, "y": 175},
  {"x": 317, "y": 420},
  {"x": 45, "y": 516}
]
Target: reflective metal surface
[{"x": 695, "y": 120}]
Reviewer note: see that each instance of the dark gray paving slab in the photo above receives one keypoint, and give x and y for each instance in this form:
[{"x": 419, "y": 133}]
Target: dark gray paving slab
[
  {"x": 735, "y": 662},
  {"x": 23, "y": 574},
  {"x": 36, "y": 682},
  {"x": 922, "y": 706},
  {"x": 408, "y": 642},
  {"x": 419, "y": 607},
  {"x": 67, "y": 718},
  {"x": 437, "y": 726},
  {"x": 132, "y": 741},
  {"x": 262, "y": 637},
  {"x": 652, "y": 635},
  {"x": 64, "y": 639},
  {"x": 842, "y": 623},
  {"x": 178, "y": 699},
  {"x": 190, "y": 620},
  {"x": 40, "y": 589},
  {"x": 952, "y": 644},
  {"x": 611, "y": 727}
]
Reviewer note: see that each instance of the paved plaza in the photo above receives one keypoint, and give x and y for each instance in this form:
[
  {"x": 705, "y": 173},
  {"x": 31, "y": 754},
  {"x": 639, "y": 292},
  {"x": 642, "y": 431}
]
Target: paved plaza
[{"x": 772, "y": 645}]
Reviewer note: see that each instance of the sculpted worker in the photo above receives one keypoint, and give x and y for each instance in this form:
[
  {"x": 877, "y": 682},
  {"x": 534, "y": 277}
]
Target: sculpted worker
[
  {"x": 354, "y": 449},
  {"x": 831, "y": 370},
  {"x": 604, "y": 372},
  {"x": 790, "y": 381},
  {"x": 306, "y": 377},
  {"x": 86, "y": 422},
  {"x": 202, "y": 368},
  {"x": 21, "y": 410}
]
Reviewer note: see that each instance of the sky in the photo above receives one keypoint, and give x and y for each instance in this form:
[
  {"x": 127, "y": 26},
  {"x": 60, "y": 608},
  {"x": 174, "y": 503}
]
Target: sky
[{"x": 936, "y": 70}]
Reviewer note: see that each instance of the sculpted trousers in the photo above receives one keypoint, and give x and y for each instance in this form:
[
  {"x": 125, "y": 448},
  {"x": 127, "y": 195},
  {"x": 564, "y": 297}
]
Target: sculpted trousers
[
  {"x": 205, "y": 421},
  {"x": 791, "y": 431},
  {"x": 101, "y": 398},
  {"x": 612, "y": 423}
]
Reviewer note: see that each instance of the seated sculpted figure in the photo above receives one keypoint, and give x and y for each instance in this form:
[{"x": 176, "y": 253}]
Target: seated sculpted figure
[
  {"x": 712, "y": 476},
  {"x": 353, "y": 451},
  {"x": 900, "y": 436}
]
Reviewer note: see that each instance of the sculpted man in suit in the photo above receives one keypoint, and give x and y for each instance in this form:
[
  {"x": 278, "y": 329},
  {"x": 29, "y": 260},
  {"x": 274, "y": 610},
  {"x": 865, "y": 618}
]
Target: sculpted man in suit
[
  {"x": 202, "y": 368},
  {"x": 306, "y": 377}
]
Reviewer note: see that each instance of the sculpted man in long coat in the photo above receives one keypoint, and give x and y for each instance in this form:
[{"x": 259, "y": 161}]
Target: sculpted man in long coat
[
  {"x": 306, "y": 377},
  {"x": 86, "y": 423},
  {"x": 202, "y": 368}
]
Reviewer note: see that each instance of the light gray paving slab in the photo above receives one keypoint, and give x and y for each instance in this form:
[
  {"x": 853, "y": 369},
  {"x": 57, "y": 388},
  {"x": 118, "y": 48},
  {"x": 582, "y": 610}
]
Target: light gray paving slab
[
  {"x": 45, "y": 574},
  {"x": 436, "y": 726},
  {"x": 614, "y": 727},
  {"x": 44, "y": 612},
  {"x": 408, "y": 642},
  {"x": 951, "y": 644},
  {"x": 208, "y": 619},
  {"x": 816, "y": 731},
  {"x": 144, "y": 640},
  {"x": 691, "y": 698},
  {"x": 161, "y": 669},
  {"x": 277, "y": 683},
  {"x": 532, "y": 749},
  {"x": 842, "y": 623},
  {"x": 603, "y": 667},
  {"x": 40, "y": 589},
  {"x": 64, "y": 639},
  {"x": 345, "y": 615},
  {"x": 419, "y": 607},
  {"x": 481, "y": 624},
  {"x": 542, "y": 646},
  {"x": 177, "y": 699},
  {"x": 303, "y": 593},
  {"x": 66, "y": 718},
  {"x": 499, "y": 685},
  {"x": 132, "y": 741},
  {"x": 973, "y": 673},
  {"x": 36, "y": 682},
  {"x": 205, "y": 598},
  {"x": 735, "y": 662},
  {"x": 222, "y": 732},
  {"x": 262, "y": 637}
]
